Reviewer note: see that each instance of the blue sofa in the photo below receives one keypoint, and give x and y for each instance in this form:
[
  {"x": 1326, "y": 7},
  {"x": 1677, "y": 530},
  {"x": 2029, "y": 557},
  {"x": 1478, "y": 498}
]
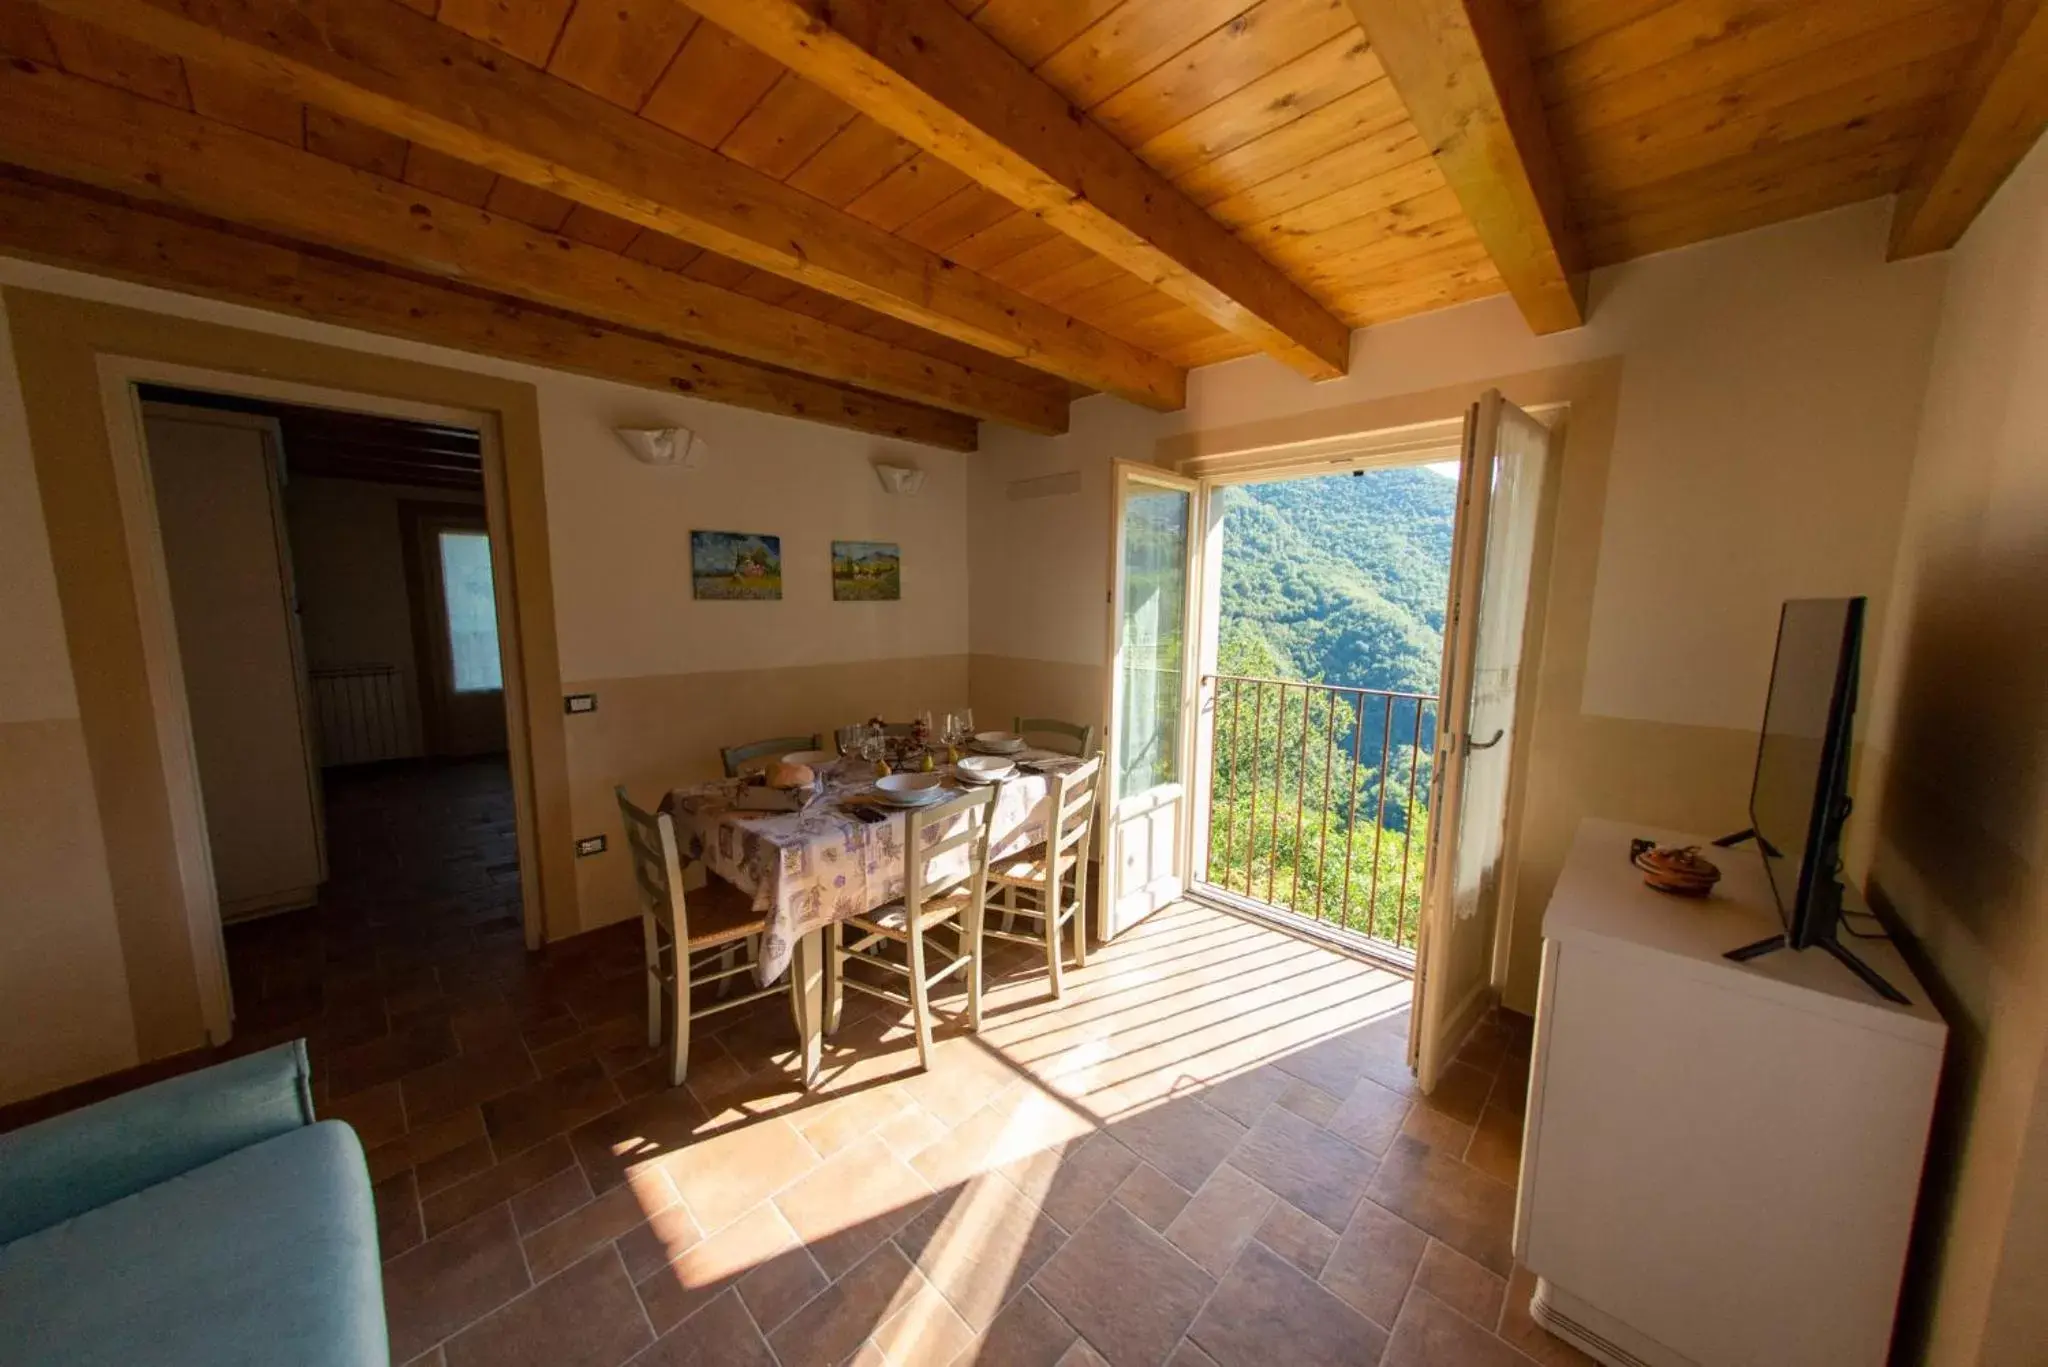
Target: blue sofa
[{"x": 207, "y": 1219}]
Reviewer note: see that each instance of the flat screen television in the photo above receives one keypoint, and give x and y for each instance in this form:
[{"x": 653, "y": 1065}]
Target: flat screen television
[{"x": 1799, "y": 797}]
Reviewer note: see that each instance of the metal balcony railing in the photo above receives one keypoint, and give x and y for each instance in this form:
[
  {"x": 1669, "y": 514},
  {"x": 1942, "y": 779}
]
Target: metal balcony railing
[{"x": 1318, "y": 802}]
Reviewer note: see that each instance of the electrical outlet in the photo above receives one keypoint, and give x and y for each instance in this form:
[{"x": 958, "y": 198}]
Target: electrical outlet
[
  {"x": 590, "y": 844},
  {"x": 579, "y": 702}
]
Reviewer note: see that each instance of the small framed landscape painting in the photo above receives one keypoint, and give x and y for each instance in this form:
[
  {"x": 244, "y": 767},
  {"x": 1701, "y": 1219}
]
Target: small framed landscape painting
[
  {"x": 867, "y": 571},
  {"x": 735, "y": 565}
]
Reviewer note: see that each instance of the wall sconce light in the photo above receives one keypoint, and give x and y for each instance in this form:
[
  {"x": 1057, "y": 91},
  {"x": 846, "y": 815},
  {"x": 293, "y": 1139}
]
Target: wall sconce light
[
  {"x": 899, "y": 479},
  {"x": 664, "y": 446}
]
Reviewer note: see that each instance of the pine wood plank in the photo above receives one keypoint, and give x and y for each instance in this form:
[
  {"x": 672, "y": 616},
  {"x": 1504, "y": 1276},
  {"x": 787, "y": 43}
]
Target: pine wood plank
[
  {"x": 64, "y": 126},
  {"x": 445, "y": 176},
  {"x": 340, "y": 138},
  {"x": 421, "y": 79},
  {"x": 22, "y": 33},
  {"x": 111, "y": 238},
  {"x": 1379, "y": 170},
  {"x": 1995, "y": 116},
  {"x": 712, "y": 84},
  {"x": 852, "y": 163},
  {"x": 595, "y": 228},
  {"x": 945, "y": 226},
  {"x": 98, "y": 54},
  {"x": 1343, "y": 121},
  {"x": 525, "y": 28},
  {"x": 618, "y": 49},
  {"x": 1713, "y": 39},
  {"x": 1749, "y": 117},
  {"x": 1130, "y": 41},
  {"x": 1792, "y": 51},
  {"x": 1270, "y": 34},
  {"x": 793, "y": 121},
  {"x": 526, "y": 204},
  {"x": 1282, "y": 96},
  {"x": 932, "y": 76},
  {"x": 1461, "y": 70},
  {"x": 246, "y": 105},
  {"x": 916, "y": 187},
  {"x": 1035, "y": 29}
]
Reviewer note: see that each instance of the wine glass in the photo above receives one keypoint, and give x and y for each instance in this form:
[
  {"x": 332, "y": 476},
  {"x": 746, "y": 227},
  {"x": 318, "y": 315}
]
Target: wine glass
[{"x": 966, "y": 723}]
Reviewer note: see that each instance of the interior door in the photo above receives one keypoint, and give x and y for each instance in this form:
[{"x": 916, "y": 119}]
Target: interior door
[
  {"x": 1501, "y": 490},
  {"x": 1151, "y": 697},
  {"x": 456, "y": 606},
  {"x": 216, "y": 480}
]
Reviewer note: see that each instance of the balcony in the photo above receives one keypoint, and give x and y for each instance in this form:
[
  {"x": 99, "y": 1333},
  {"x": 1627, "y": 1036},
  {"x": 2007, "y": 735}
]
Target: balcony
[{"x": 1318, "y": 807}]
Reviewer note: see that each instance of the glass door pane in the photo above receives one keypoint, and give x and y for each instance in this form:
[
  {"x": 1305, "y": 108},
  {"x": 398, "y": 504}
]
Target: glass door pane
[
  {"x": 1154, "y": 575},
  {"x": 471, "y": 612}
]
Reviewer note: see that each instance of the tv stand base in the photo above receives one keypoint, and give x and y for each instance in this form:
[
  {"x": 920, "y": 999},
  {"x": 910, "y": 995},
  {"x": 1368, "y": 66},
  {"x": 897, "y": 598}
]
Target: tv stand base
[{"x": 1870, "y": 976}]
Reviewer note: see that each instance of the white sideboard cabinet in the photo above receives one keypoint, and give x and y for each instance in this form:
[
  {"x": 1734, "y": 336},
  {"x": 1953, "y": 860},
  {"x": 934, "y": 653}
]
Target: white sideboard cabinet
[{"x": 1721, "y": 1160}]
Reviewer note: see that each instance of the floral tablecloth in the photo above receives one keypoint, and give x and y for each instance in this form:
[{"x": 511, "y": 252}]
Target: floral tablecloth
[{"x": 824, "y": 864}]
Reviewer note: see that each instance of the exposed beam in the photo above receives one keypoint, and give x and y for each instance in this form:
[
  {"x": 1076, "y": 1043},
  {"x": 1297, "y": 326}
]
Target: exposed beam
[
  {"x": 381, "y": 62},
  {"x": 65, "y": 126},
  {"x": 90, "y": 232},
  {"x": 924, "y": 70},
  {"x": 1995, "y": 115},
  {"x": 1460, "y": 68}
]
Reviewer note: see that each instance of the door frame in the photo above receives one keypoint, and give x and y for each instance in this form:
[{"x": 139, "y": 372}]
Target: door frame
[
  {"x": 120, "y": 379},
  {"x": 1113, "y": 809}
]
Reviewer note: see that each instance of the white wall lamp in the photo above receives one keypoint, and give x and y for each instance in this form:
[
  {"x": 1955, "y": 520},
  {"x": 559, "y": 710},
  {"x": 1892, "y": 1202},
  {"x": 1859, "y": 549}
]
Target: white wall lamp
[
  {"x": 899, "y": 479},
  {"x": 664, "y": 446}
]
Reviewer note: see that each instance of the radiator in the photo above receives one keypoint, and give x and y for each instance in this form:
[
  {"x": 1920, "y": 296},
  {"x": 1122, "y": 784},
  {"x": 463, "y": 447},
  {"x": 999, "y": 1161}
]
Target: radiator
[{"x": 361, "y": 712}]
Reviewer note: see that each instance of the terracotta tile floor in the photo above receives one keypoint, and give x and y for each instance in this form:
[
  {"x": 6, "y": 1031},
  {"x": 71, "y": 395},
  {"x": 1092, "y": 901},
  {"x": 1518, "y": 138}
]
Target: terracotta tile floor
[{"x": 1208, "y": 1152}]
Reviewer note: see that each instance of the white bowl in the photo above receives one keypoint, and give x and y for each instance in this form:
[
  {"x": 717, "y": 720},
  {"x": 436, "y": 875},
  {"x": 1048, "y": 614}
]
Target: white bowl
[
  {"x": 985, "y": 768},
  {"x": 999, "y": 742},
  {"x": 910, "y": 789},
  {"x": 813, "y": 759}
]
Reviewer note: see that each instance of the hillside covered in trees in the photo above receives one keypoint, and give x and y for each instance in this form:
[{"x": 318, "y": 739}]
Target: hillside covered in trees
[{"x": 1341, "y": 580}]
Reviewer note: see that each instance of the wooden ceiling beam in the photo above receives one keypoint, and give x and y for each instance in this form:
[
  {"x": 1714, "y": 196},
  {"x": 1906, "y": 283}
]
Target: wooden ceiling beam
[
  {"x": 1995, "y": 115},
  {"x": 75, "y": 129},
  {"x": 91, "y": 232},
  {"x": 929, "y": 74},
  {"x": 382, "y": 63},
  {"x": 1462, "y": 71}
]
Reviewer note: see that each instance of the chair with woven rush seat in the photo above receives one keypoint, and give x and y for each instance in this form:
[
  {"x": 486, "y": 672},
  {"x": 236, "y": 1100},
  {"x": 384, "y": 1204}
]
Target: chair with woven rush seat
[
  {"x": 738, "y": 757},
  {"x": 715, "y": 923},
  {"x": 1049, "y": 883},
  {"x": 1068, "y": 737},
  {"x": 945, "y": 884}
]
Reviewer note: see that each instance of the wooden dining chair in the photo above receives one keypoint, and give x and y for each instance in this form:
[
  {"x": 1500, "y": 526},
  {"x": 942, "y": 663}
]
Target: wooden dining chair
[
  {"x": 1069, "y": 737},
  {"x": 1048, "y": 883},
  {"x": 690, "y": 940},
  {"x": 945, "y": 884},
  {"x": 738, "y": 757}
]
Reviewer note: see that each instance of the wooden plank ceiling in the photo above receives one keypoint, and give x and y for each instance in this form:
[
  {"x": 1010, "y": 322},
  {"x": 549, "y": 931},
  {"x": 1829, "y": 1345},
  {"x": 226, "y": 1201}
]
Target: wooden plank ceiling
[{"x": 1668, "y": 122}]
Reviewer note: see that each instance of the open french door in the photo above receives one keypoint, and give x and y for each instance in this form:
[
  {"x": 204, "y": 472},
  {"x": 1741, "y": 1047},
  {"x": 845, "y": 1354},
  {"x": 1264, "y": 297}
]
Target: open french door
[
  {"x": 1146, "y": 804},
  {"x": 1501, "y": 491}
]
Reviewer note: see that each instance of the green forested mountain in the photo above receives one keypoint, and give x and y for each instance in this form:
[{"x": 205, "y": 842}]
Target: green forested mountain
[
  {"x": 1340, "y": 578},
  {"x": 1319, "y": 799}
]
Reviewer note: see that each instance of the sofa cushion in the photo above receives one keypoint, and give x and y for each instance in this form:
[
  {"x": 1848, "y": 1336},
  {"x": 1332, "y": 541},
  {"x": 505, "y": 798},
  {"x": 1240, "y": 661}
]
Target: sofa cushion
[{"x": 268, "y": 1255}]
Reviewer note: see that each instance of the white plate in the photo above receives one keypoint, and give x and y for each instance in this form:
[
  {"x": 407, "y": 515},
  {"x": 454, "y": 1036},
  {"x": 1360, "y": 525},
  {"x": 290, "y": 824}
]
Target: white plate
[
  {"x": 812, "y": 759},
  {"x": 998, "y": 743},
  {"x": 985, "y": 768}
]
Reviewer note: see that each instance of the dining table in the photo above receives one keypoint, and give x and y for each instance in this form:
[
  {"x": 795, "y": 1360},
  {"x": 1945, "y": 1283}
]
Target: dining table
[{"x": 841, "y": 854}]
